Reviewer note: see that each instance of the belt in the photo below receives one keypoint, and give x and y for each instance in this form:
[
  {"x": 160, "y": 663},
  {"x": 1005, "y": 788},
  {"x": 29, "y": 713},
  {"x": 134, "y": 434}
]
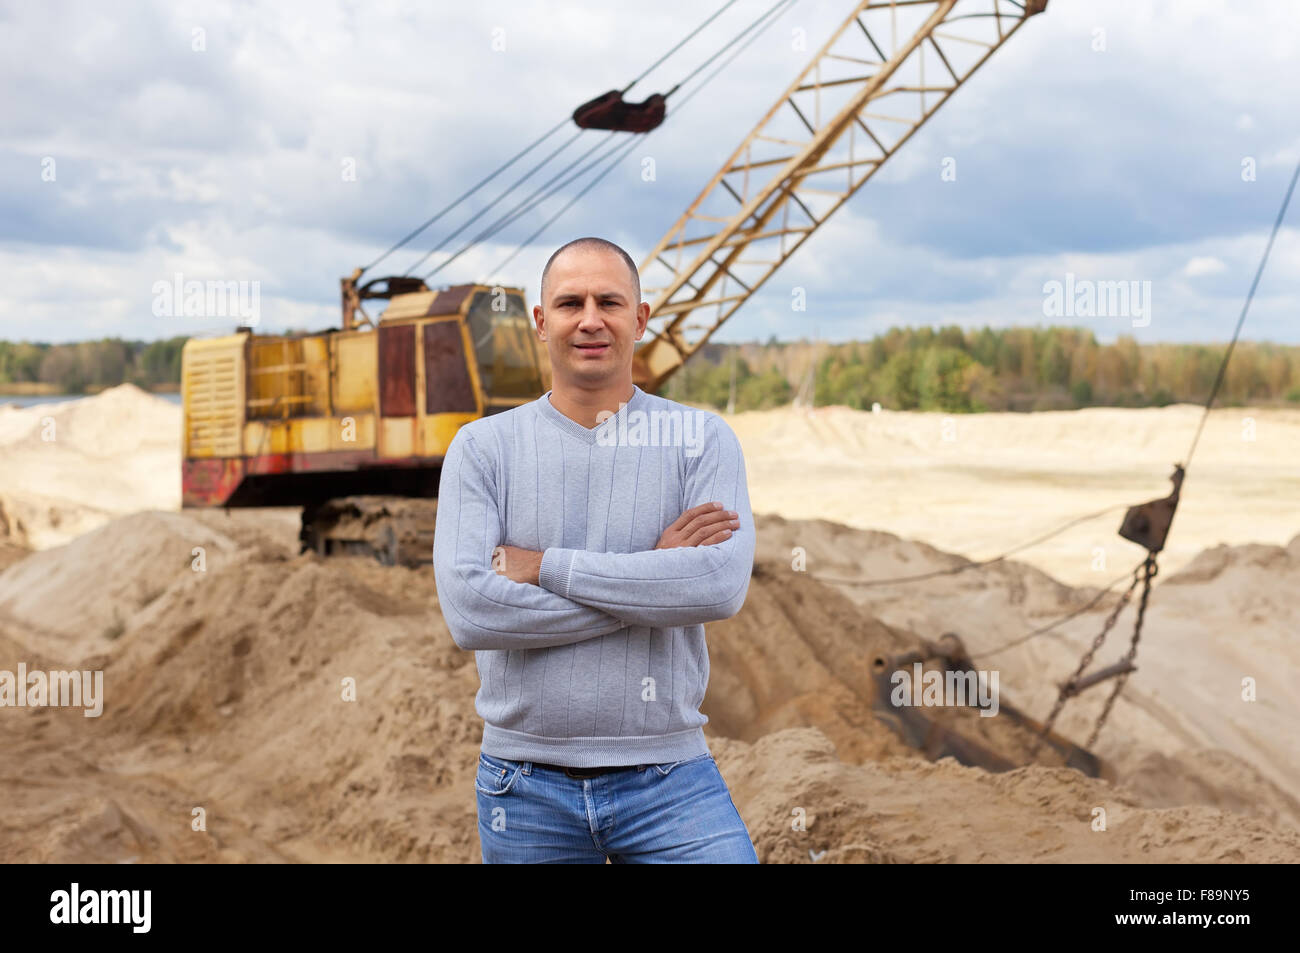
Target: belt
[{"x": 585, "y": 772}]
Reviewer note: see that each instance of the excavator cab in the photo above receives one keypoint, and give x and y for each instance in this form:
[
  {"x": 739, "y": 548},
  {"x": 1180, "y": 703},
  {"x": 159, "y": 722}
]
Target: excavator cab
[{"x": 505, "y": 348}]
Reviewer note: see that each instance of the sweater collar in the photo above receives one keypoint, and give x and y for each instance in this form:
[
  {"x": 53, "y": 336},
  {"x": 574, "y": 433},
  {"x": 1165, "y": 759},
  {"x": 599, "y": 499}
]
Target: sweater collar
[{"x": 589, "y": 434}]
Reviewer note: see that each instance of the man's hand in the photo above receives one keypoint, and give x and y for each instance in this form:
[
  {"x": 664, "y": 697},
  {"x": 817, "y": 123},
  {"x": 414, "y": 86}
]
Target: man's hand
[
  {"x": 520, "y": 565},
  {"x": 702, "y": 525}
]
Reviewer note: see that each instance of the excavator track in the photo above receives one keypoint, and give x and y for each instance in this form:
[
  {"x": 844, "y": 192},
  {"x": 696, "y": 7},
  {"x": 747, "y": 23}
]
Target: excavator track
[{"x": 395, "y": 530}]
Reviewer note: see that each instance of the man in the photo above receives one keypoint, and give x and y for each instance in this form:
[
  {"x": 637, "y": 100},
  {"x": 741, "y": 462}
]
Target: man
[{"x": 582, "y": 542}]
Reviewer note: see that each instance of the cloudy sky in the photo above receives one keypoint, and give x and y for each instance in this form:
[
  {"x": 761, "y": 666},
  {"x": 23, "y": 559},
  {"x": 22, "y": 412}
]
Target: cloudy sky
[{"x": 143, "y": 140}]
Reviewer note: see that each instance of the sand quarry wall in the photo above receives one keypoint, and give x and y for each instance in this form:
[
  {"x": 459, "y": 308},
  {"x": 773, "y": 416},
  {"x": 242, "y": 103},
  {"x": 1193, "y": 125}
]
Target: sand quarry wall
[
  {"x": 224, "y": 693},
  {"x": 976, "y": 484}
]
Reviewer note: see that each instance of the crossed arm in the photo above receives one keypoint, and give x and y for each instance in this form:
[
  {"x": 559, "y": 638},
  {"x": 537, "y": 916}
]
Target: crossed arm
[
  {"x": 701, "y": 525},
  {"x": 504, "y": 597}
]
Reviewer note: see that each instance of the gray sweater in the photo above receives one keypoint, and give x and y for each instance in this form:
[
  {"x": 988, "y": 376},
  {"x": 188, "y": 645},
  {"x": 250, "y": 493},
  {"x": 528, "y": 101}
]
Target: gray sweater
[{"x": 605, "y": 662}]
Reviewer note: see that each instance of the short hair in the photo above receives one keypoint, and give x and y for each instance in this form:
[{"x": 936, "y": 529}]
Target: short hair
[{"x": 600, "y": 244}]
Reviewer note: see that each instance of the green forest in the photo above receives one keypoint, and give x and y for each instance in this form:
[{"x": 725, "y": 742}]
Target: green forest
[
  {"x": 88, "y": 366},
  {"x": 955, "y": 370},
  {"x": 946, "y": 369}
]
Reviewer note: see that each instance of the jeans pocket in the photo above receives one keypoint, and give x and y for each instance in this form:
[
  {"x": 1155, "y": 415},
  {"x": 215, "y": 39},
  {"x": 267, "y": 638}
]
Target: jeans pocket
[
  {"x": 667, "y": 766},
  {"x": 496, "y": 776}
]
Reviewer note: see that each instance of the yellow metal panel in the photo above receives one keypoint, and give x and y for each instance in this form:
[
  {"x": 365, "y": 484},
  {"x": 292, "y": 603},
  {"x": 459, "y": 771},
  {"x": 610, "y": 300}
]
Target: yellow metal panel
[
  {"x": 311, "y": 434},
  {"x": 412, "y": 305},
  {"x": 437, "y": 430},
  {"x": 544, "y": 359},
  {"x": 396, "y": 436},
  {"x": 421, "y": 405},
  {"x": 356, "y": 362},
  {"x": 212, "y": 389},
  {"x": 359, "y": 426},
  {"x": 287, "y": 377},
  {"x": 316, "y": 355},
  {"x": 266, "y": 436}
]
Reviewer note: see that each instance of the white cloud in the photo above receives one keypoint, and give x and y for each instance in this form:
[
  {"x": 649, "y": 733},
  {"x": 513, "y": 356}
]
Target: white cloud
[
  {"x": 1287, "y": 156},
  {"x": 1203, "y": 265}
]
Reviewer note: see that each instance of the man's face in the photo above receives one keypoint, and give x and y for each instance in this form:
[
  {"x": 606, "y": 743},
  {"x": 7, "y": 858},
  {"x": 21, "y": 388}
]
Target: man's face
[{"x": 590, "y": 317}]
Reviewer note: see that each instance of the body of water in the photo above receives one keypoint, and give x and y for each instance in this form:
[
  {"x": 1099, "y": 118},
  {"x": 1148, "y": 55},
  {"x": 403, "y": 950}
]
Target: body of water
[{"x": 30, "y": 400}]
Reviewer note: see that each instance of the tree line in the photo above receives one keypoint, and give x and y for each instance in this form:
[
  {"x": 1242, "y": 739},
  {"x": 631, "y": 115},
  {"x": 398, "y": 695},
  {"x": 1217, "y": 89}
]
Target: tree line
[
  {"x": 956, "y": 370},
  {"x": 948, "y": 369},
  {"x": 92, "y": 365}
]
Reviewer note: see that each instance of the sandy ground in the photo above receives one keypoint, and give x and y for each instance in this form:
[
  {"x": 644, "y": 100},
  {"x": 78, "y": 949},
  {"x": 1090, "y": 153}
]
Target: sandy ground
[
  {"x": 1005, "y": 479},
  {"x": 1232, "y": 614},
  {"x": 224, "y": 685}
]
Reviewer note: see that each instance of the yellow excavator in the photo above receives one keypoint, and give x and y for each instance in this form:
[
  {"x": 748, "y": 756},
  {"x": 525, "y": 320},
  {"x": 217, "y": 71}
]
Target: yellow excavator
[{"x": 352, "y": 423}]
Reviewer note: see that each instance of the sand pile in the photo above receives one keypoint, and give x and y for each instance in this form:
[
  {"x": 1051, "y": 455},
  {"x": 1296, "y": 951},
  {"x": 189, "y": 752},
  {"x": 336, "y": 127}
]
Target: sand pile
[
  {"x": 73, "y": 466},
  {"x": 224, "y": 692},
  {"x": 1231, "y": 614},
  {"x": 801, "y": 654},
  {"x": 908, "y": 811},
  {"x": 76, "y": 597}
]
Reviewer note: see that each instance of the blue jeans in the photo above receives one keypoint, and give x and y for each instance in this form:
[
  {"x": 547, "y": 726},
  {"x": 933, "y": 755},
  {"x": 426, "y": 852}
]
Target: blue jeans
[{"x": 675, "y": 813}]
